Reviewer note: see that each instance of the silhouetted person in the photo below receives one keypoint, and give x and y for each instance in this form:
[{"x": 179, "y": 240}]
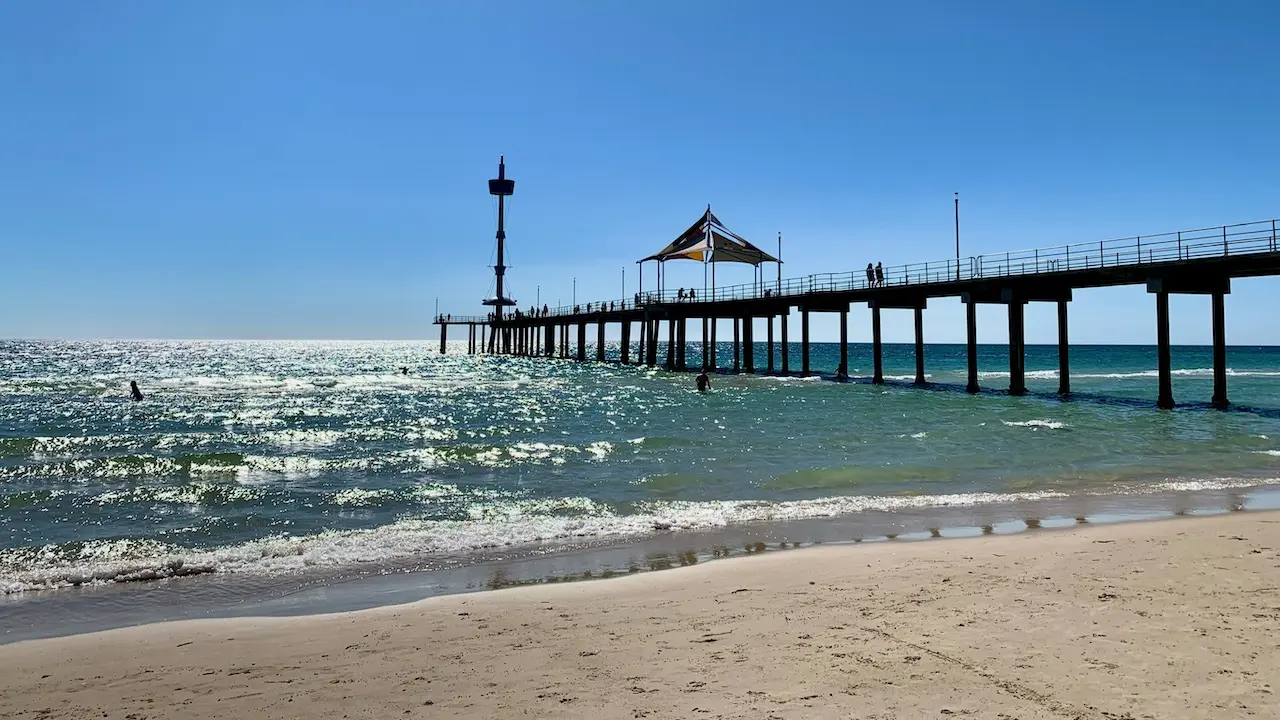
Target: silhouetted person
[
  {"x": 871, "y": 275},
  {"x": 404, "y": 371},
  {"x": 544, "y": 310},
  {"x": 879, "y": 275},
  {"x": 134, "y": 391},
  {"x": 680, "y": 294},
  {"x": 704, "y": 382},
  {"x": 691, "y": 295}
]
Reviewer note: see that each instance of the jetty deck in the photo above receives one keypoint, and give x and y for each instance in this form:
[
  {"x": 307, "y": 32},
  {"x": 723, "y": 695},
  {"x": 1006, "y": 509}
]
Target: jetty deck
[{"x": 1201, "y": 261}]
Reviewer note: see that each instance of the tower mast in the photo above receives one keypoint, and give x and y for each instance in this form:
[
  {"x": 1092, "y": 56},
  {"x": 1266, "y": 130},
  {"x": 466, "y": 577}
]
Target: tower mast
[{"x": 502, "y": 187}]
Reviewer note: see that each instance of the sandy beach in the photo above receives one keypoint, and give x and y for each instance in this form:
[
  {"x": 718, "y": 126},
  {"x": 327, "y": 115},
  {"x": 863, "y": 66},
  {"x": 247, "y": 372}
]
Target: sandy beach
[{"x": 1170, "y": 619}]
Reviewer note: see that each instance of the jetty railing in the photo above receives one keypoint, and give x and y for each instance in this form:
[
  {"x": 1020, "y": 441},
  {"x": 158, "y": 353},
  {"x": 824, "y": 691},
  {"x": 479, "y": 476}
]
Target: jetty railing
[{"x": 1225, "y": 240}]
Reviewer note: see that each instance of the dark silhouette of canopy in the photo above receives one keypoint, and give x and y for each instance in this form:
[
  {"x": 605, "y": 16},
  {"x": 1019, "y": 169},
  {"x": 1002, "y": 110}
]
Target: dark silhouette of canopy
[{"x": 708, "y": 240}]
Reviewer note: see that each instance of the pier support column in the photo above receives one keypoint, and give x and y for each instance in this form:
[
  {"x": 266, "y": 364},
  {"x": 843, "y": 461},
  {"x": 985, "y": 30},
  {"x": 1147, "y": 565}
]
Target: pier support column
[
  {"x": 1219, "y": 351},
  {"x": 582, "y": 341},
  {"x": 704, "y": 344},
  {"x": 786, "y": 351},
  {"x": 644, "y": 339},
  {"x": 682, "y": 344},
  {"x": 600, "y": 341},
  {"x": 804, "y": 343},
  {"x": 624, "y": 350},
  {"x": 711, "y": 365},
  {"x": 443, "y": 329},
  {"x": 919, "y": 345},
  {"x": 1017, "y": 378},
  {"x": 877, "y": 348},
  {"x": 506, "y": 340},
  {"x": 1064, "y": 362},
  {"x": 769, "y": 343},
  {"x": 971, "y": 321},
  {"x": 483, "y": 335},
  {"x": 671, "y": 344},
  {"x": 842, "y": 370},
  {"x": 651, "y": 352},
  {"x": 1163, "y": 361},
  {"x": 737, "y": 348},
  {"x": 748, "y": 345}
]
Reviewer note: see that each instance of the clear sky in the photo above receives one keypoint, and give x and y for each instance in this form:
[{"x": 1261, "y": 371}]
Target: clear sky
[{"x": 317, "y": 169}]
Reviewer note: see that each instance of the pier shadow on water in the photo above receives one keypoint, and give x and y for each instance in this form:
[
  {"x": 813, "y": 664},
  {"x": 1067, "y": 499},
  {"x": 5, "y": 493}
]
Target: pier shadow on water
[{"x": 1074, "y": 396}]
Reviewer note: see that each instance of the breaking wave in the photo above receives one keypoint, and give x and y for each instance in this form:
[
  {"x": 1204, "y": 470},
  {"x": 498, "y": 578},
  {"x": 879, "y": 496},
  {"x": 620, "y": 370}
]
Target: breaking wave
[{"x": 505, "y": 524}]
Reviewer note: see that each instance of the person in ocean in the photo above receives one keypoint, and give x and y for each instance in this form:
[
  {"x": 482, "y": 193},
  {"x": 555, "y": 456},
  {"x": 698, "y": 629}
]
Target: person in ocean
[
  {"x": 704, "y": 382},
  {"x": 134, "y": 391},
  {"x": 404, "y": 370}
]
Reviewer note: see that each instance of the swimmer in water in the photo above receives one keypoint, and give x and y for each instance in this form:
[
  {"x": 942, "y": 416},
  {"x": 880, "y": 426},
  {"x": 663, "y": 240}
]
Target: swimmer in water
[
  {"x": 134, "y": 391},
  {"x": 404, "y": 371},
  {"x": 704, "y": 382}
]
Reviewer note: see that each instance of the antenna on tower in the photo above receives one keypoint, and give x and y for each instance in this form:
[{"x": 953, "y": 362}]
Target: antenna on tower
[{"x": 502, "y": 187}]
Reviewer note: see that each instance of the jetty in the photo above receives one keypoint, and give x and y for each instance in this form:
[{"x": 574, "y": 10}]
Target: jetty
[{"x": 1198, "y": 262}]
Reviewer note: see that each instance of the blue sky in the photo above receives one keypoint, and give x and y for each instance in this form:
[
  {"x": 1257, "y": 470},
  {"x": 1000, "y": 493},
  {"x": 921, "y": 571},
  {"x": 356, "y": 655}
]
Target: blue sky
[{"x": 317, "y": 169}]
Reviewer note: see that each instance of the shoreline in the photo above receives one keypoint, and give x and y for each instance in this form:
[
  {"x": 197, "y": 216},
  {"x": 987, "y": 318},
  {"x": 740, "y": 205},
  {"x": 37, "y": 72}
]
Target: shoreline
[
  {"x": 1169, "y": 619},
  {"x": 94, "y": 608}
]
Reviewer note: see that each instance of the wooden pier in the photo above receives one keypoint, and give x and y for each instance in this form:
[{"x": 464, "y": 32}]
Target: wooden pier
[{"x": 1197, "y": 262}]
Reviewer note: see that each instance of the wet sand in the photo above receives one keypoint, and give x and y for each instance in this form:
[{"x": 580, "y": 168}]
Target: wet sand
[{"x": 1169, "y": 619}]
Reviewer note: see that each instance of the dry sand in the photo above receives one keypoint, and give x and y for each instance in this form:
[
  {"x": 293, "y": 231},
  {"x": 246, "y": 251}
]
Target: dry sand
[{"x": 1173, "y": 619}]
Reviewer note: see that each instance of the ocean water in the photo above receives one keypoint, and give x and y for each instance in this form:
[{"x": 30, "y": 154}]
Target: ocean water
[{"x": 257, "y": 460}]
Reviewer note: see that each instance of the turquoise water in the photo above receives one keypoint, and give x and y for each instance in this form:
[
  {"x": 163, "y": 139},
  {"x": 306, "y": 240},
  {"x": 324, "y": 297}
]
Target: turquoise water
[{"x": 264, "y": 459}]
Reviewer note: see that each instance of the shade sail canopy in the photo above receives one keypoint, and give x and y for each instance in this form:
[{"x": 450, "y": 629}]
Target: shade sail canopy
[{"x": 708, "y": 240}]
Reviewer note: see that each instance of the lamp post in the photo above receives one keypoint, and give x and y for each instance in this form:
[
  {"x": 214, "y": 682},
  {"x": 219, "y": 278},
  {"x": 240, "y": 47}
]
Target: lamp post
[
  {"x": 779, "y": 263},
  {"x": 957, "y": 237},
  {"x": 575, "y": 291}
]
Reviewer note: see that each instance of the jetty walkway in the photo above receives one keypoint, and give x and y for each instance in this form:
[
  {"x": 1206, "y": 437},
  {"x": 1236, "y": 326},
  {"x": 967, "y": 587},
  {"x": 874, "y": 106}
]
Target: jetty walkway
[{"x": 1199, "y": 262}]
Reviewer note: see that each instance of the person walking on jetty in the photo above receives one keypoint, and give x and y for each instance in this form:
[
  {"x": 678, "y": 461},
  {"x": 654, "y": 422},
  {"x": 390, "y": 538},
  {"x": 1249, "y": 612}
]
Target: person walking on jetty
[
  {"x": 871, "y": 275},
  {"x": 879, "y": 275}
]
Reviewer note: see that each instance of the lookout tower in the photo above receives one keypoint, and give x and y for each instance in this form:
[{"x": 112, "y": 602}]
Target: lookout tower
[{"x": 502, "y": 187}]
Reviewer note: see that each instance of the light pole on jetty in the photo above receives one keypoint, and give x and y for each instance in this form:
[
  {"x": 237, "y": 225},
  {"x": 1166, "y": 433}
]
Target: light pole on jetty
[
  {"x": 957, "y": 237},
  {"x": 502, "y": 187}
]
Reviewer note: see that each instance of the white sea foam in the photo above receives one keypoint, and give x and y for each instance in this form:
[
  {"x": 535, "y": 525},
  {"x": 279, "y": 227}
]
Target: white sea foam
[
  {"x": 1193, "y": 485},
  {"x": 495, "y": 525},
  {"x": 1037, "y": 424},
  {"x": 1029, "y": 374},
  {"x": 1274, "y": 453},
  {"x": 1183, "y": 372}
]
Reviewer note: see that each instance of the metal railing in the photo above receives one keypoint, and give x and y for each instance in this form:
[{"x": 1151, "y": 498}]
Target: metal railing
[
  {"x": 1225, "y": 240},
  {"x": 461, "y": 319}
]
